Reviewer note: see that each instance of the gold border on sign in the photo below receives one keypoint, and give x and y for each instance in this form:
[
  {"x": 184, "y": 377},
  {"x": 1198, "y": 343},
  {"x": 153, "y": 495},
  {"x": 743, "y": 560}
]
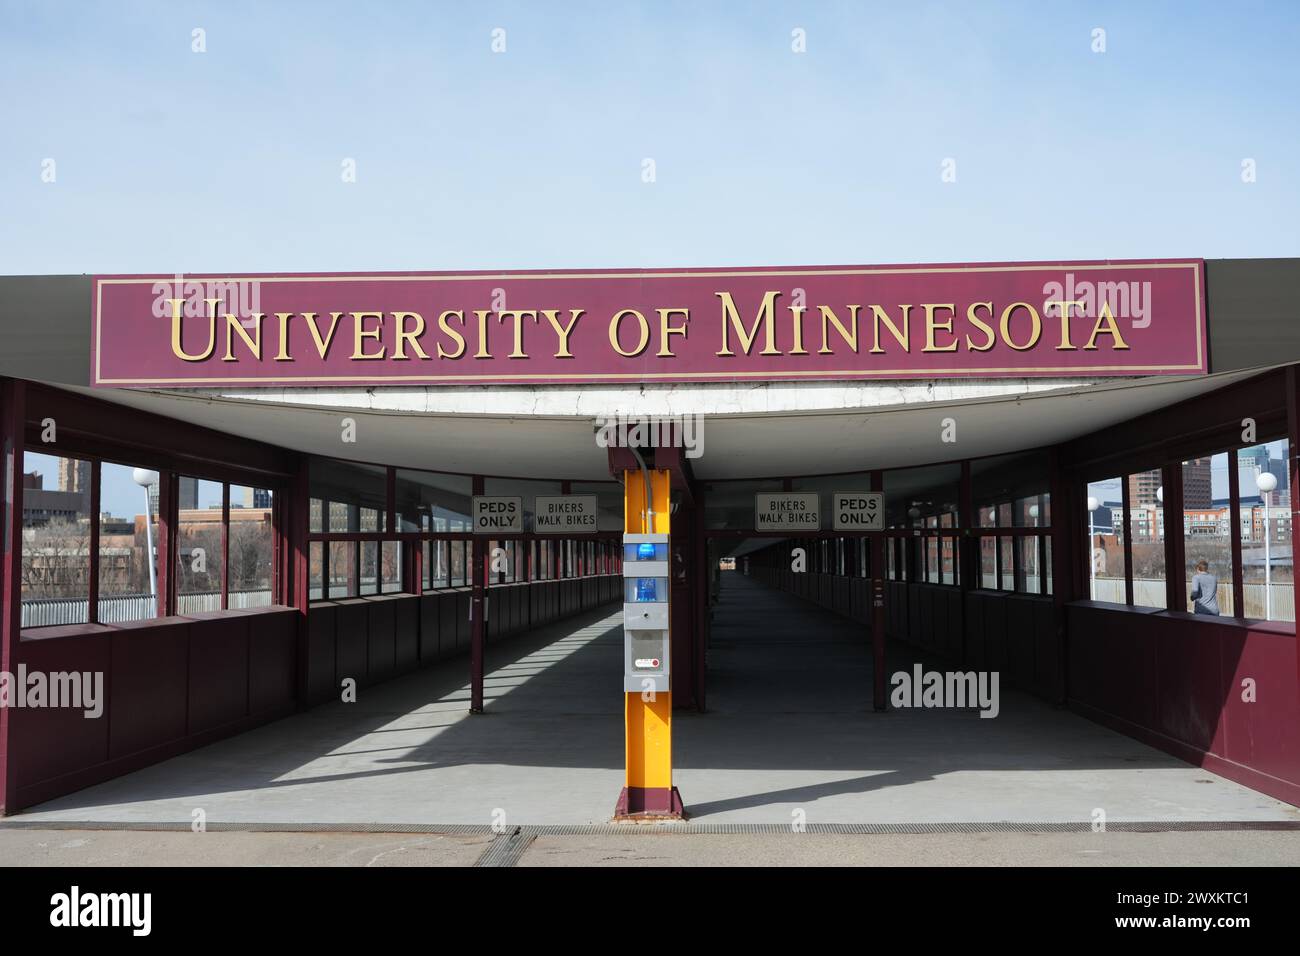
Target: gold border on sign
[{"x": 600, "y": 378}]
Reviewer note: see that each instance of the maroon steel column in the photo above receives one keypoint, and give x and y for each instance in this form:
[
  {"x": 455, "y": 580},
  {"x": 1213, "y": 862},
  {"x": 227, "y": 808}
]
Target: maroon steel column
[
  {"x": 299, "y": 591},
  {"x": 165, "y": 541},
  {"x": 225, "y": 545},
  {"x": 703, "y": 584},
  {"x": 968, "y": 569},
  {"x": 1171, "y": 477},
  {"x": 1234, "y": 528},
  {"x": 1127, "y": 504},
  {"x": 1293, "y": 479},
  {"x": 12, "y": 412},
  {"x": 478, "y": 574},
  {"x": 878, "y": 696},
  {"x": 92, "y": 592},
  {"x": 1064, "y": 555}
]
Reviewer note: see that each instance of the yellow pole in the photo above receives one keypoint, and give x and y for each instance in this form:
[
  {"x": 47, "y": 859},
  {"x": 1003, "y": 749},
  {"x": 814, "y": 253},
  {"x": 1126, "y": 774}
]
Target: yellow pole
[{"x": 648, "y": 723}]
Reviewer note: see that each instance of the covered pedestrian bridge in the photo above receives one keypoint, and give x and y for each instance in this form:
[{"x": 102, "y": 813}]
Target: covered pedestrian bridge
[{"x": 405, "y": 668}]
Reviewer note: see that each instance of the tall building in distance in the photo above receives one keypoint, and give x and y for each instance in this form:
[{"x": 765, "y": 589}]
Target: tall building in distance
[
  {"x": 1251, "y": 463},
  {"x": 74, "y": 475},
  {"x": 1198, "y": 486},
  {"x": 1198, "y": 493},
  {"x": 1142, "y": 488},
  {"x": 256, "y": 498},
  {"x": 188, "y": 498}
]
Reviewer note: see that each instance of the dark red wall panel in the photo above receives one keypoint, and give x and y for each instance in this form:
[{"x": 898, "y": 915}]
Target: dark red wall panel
[
  {"x": 430, "y": 626},
  {"x": 381, "y": 639},
  {"x": 218, "y": 671},
  {"x": 406, "y": 632},
  {"x": 351, "y": 638},
  {"x": 322, "y": 624},
  {"x": 50, "y": 742},
  {"x": 272, "y": 657},
  {"x": 150, "y": 679}
]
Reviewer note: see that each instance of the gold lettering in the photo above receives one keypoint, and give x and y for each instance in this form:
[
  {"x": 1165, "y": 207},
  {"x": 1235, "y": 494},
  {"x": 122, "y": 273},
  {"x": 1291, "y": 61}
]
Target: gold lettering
[
  {"x": 613, "y": 332},
  {"x": 552, "y": 316},
  {"x": 403, "y": 336},
  {"x": 1112, "y": 329},
  {"x": 322, "y": 344},
  {"x": 829, "y": 318},
  {"x": 933, "y": 325},
  {"x": 879, "y": 315},
  {"x": 796, "y": 326},
  {"x": 1005, "y": 325},
  {"x": 987, "y": 329},
  {"x": 177, "y": 348},
  {"x": 1066, "y": 345},
  {"x": 482, "y": 316},
  {"x": 518, "y": 315},
  {"x": 254, "y": 343},
  {"x": 460, "y": 339},
  {"x": 360, "y": 332},
  {"x": 283, "y": 354},
  {"x": 731, "y": 319},
  {"x": 666, "y": 330}
]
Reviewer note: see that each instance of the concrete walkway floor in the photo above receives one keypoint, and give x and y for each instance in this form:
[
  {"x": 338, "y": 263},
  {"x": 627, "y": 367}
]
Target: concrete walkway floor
[{"x": 790, "y": 737}]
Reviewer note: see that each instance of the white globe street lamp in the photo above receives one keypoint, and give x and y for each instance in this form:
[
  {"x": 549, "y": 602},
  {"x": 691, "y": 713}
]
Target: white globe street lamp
[
  {"x": 146, "y": 479},
  {"x": 1033, "y": 516},
  {"x": 1266, "y": 481},
  {"x": 1093, "y": 505}
]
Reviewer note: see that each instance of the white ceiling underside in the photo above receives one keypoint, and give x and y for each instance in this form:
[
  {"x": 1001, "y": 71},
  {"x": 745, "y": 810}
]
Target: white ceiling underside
[{"x": 886, "y": 429}]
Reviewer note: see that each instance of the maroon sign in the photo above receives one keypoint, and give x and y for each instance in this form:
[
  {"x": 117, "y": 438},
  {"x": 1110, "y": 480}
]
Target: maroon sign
[{"x": 766, "y": 324}]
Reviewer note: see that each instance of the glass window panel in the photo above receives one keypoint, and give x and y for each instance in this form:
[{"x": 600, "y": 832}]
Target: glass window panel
[
  {"x": 1265, "y": 493},
  {"x": 1007, "y": 478},
  {"x": 199, "y": 559},
  {"x": 458, "y": 564},
  {"x": 1006, "y": 557},
  {"x": 1146, "y": 511},
  {"x": 431, "y": 501},
  {"x": 342, "y": 569},
  {"x": 55, "y": 565},
  {"x": 251, "y": 547},
  {"x": 1104, "y": 543},
  {"x": 989, "y": 563},
  {"x": 316, "y": 570},
  {"x": 914, "y": 494},
  {"x": 1207, "y": 535},
  {"x": 390, "y": 567},
  {"x": 369, "y": 567},
  {"x": 1028, "y": 577},
  {"x": 1047, "y": 565},
  {"x": 371, "y": 519},
  {"x": 357, "y": 486},
  {"x": 127, "y": 591}
]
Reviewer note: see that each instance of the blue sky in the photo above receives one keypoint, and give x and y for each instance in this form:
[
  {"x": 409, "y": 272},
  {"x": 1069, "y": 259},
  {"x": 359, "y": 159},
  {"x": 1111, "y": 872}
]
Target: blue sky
[{"x": 168, "y": 160}]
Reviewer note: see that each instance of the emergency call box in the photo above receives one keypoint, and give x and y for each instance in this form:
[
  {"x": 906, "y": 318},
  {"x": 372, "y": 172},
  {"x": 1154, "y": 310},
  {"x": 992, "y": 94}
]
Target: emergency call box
[{"x": 645, "y": 613}]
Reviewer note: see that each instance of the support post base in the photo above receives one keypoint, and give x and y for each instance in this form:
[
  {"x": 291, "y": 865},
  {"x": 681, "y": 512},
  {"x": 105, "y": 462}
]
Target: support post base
[{"x": 649, "y": 804}]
